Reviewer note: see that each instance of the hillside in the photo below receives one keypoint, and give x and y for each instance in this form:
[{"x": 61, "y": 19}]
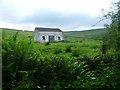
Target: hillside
[
  {"x": 88, "y": 34},
  {"x": 22, "y": 34}
]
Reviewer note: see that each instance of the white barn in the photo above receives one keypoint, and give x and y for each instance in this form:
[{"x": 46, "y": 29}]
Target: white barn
[{"x": 47, "y": 34}]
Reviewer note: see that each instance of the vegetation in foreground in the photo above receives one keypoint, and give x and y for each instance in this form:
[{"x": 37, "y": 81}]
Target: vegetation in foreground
[
  {"x": 76, "y": 64},
  {"x": 58, "y": 65}
]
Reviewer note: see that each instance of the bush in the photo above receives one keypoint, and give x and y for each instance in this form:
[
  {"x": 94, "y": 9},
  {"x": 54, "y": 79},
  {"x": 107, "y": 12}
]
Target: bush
[
  {"x": 50, "y": 72},
  {"x": 17, "y": 56},
  {"x": 75, "y": 52},
  {"x": 68, "y": 49},
  {"x": 47, "y": 43},
  {"x": 57, "y": 51}
]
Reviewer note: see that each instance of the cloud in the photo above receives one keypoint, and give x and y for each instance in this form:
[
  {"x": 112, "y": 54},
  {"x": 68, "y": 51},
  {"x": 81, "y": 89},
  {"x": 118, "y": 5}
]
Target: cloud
[
  {"x": 9, "y": 13},
  {"x": 66, "y": 20},
  {"x": 72, "y": 15}
]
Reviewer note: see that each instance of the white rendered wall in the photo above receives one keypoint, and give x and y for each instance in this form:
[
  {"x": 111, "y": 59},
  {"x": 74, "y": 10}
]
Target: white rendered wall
[{"x": 38, "y": 36}]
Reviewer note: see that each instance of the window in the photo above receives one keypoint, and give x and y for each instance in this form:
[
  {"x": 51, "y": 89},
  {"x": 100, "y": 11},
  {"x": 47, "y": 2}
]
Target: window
[
  {"x": 43, "y": 37},
  {"x": 59, "y": 38}
]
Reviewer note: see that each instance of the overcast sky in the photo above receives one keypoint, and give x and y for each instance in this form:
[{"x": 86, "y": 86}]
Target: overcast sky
[{"x": 65, "y": 14}]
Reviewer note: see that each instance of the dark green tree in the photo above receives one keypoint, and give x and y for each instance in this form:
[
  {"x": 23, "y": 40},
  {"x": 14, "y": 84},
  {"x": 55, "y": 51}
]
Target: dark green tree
[{"x": 113, "y": 35}]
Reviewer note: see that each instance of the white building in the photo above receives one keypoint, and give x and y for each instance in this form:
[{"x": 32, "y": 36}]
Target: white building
[{"x": 47, "y": 34}]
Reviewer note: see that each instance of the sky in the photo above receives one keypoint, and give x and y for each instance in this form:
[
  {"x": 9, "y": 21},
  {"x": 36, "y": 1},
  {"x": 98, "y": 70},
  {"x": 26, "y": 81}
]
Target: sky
[{"x": 68, "y": 15}]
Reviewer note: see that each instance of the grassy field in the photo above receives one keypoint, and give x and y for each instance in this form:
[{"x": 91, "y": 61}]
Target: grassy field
[
  {"x": 85, "y": 42},
  {"x": 21, "y": 35},
  {"x": 76, "y": 62},
  {"x": 87, "y": 34}
]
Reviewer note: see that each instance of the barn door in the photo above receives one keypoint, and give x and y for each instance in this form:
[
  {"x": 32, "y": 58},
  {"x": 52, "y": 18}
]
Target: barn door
[{"x": 51, "y": 38}]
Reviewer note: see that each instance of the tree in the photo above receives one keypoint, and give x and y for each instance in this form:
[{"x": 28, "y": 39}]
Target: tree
[{"x": 113, "y": 38}]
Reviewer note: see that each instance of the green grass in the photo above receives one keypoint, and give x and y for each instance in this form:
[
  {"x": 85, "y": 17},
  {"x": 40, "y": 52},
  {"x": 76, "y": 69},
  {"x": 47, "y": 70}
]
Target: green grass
[
  {"x": 32, "y": 65},
  {"x": 84, "y": 45},
  {"x": 89, "y": 48},
  {"x": 21, "y": 35},
  {"x": 88, "y": 34}
]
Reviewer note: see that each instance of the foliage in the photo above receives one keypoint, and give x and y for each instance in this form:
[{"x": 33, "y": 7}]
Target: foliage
[
  {"x": 33, "y": 65},
  {"x": 113, "y": 29},
  {"x": 47, "y": 43},
  {"x": 68, "y": 49},
  {"x": 57, "y": 50},
  {"x": 17, "y": 56},
  {"x": 75, "y": 52}
]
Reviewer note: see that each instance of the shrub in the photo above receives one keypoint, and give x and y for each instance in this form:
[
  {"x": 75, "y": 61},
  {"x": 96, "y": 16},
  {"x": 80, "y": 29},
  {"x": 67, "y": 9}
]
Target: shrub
[
  {"x": 80, "y": 41},
  {"x": 16, "y": 56},
  {"x": 75, "y": 52},
  {"x": 47, "y": 43},
  {"x": 68, "y": 49},
  {"x": 50, "y": 72},
  {"x": 57, "y": 50}
]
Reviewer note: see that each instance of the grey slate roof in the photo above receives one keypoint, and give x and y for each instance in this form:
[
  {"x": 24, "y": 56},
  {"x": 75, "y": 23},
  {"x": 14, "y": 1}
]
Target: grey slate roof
[{"x": 48, "y": 29}]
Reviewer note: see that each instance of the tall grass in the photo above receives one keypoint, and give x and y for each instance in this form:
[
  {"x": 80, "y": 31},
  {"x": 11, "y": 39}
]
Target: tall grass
[{"x": 30, "y": 65}]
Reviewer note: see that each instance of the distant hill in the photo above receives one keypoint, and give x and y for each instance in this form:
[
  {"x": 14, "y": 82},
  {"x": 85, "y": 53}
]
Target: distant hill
[
  {"x": 87, "y": 34},
  {"x": 8, "y": 32}
]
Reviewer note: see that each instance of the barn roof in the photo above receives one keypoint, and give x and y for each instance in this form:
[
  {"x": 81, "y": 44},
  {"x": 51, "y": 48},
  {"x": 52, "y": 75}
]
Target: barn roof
[{"x": 48, "y": 29}]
